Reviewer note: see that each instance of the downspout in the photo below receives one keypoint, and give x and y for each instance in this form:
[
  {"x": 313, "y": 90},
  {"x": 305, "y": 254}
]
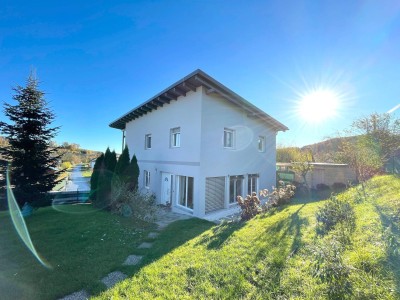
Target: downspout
[{"x": 123, "y": 140}]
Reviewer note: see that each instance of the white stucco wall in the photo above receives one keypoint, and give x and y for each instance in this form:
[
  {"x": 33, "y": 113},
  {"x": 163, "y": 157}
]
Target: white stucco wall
[
  {"x": 202, "y": 118},
  {"x": 244, "y": 158},
  {"x": 184, "y": 160}
]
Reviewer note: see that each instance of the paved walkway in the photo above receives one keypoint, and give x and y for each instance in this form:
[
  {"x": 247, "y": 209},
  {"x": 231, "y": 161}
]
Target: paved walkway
[
  {"x": 164, "y": 218},
  {"x": 77, "y": 181}
]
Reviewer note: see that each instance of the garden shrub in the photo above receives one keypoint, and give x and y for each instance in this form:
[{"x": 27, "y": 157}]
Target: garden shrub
[
  {"x": 322, "y": 187},
  {"x": 250, "y": 206},
  {"x": 330, "y": 268},
  {"x": 335, "y": 211},
  {"x": 132, "y": 203},
  {"x": 281, "y": 195},
  {"x": 338, "y": 187},
  {"x": 66, "y": 165}
]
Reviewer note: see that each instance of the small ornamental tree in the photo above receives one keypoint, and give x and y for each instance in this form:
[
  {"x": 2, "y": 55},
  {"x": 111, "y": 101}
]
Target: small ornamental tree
[
  {"x": 301, "y": 164},
  {"x": 33, "y": 159}
]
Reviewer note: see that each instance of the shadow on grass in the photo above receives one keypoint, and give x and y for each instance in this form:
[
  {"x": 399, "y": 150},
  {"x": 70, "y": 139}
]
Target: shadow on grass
[
  {"x": 290, "y": 226},
  {"x": 392, "y": 245},
  {"x": 172, "y": 237},
  {"x": 274, "y": 258},
  {"x": 220, "y": 234}
]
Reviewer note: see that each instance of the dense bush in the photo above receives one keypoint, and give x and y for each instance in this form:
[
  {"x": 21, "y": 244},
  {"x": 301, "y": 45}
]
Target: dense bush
[
  {"x": 339, "y": 186},
  {"x": 108, "y": 173},
  {"x": 66, "y": 165},
  {"x": 250, "y": 206},
  {"x": 330, "y": 268},
  {"x": 335, "y": 211},
  {"x": 132, "y": 203},
  {"x": 322, "y": 187},
  {"x": 280, "y": 195}
]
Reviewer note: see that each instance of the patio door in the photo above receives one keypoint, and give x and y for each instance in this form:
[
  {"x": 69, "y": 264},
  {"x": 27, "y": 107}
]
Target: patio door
[{"x": 166, "y": 187}]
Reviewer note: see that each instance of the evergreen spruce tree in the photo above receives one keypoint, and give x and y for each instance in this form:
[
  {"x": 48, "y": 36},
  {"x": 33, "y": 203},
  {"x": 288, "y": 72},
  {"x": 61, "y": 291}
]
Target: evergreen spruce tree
[
  {"x": 98, "y": 165},
  {"x": 33, "y": 160}
]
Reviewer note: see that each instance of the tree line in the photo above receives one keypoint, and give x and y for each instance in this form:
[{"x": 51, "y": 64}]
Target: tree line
[{"x": 367, "y": 146}]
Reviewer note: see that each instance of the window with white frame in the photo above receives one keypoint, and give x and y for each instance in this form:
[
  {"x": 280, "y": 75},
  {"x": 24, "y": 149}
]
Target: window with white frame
[
  {"x": 252, "y": 181},
  {"x": 175, "y": 137},
  {"x": 146, "y": 177},
  {"x": 229, "y": 138},
  {"x": 261, "y": 143},
  {"x": 185, "y": 191},
  {"x": 147, "y": 141},
  {"x": 235, "y": 188}
]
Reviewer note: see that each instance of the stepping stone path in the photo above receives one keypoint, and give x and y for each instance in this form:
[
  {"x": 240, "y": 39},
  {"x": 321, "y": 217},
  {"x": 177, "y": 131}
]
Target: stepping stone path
[
  {"x": 132, "y": 260},
  {"x": 164, "y": 217},
  {"x": 145, "y": 245},
  {"x": 80, "y": 295},
  {"x": 113, "y": 278}
]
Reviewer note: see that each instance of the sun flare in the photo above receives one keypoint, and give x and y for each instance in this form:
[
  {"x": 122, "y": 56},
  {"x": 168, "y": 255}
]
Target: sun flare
[{"x": 318, "y": 106}]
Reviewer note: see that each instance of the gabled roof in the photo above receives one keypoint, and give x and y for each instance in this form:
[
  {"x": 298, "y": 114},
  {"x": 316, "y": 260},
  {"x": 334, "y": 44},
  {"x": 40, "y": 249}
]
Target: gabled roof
[{"x": 190, "y": 83}]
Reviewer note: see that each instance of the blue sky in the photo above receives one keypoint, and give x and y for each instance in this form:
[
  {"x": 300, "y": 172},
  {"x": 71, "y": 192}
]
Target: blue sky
[{"x": 98, "y": 59}]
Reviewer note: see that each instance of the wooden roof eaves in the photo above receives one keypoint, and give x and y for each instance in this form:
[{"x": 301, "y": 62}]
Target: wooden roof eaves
[{"x": 190, "y": 83}]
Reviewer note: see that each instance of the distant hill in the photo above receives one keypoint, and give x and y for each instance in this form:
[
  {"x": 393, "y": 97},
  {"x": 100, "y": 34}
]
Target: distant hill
[
  {"x": 327, "y": 150},
  {"x": 70, "y": 152}
]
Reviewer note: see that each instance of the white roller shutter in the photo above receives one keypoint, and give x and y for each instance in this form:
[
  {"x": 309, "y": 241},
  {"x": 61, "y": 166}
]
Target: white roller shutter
[{"x": 215, "y": 193}]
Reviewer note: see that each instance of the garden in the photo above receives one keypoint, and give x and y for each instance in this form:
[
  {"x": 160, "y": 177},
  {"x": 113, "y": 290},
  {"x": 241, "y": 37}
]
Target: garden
[{"x": 337, "y": 248}]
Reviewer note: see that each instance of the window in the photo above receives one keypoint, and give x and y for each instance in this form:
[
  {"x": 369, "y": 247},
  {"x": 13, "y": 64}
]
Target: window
[
  {"x": 185, "y": 191},
  {"x": 146, "y": 179},
  {"x": 229, "y": 136},
  {"x": 175, "y": 137},
  {"x": 252, "y": 180},
  {"x": 235, "y": 188},
  {"x": 261, "y": 143},
  {"x": 147, "y": 141}
]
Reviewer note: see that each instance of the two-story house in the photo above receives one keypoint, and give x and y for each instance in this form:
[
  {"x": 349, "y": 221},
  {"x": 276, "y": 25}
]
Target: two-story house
[{"x": 199, "y": 145}]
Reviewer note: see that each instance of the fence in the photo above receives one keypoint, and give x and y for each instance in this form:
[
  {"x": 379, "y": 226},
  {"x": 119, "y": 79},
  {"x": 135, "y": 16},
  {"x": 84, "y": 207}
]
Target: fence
[
  {"x": 285, "y": 176},
  {"x": 70, "y": 197}
]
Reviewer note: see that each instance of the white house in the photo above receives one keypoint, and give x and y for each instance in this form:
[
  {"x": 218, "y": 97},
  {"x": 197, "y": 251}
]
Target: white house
[{"x": 199, "y": 145}]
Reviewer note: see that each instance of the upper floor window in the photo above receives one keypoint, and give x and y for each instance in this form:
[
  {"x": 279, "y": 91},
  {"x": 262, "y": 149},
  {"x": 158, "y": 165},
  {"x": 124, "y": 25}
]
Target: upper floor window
[
  {"x": 146, "y": 179},
  {"x": 229, "y": 136},
  {"x": 147, "y": 141},
  {"x": 261, "y": 143},
  {"x": 175, "y": 137}
]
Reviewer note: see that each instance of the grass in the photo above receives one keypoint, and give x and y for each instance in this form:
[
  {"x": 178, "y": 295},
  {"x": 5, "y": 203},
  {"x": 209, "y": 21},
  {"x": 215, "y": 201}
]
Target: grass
[
  {"x": 268, "y": 257},
  {"x": 271, "y": 256},
  {"x": 80, "y": 243}
]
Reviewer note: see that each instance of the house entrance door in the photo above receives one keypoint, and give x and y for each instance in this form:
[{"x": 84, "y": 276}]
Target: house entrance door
[{"x": 166, "y": 187}]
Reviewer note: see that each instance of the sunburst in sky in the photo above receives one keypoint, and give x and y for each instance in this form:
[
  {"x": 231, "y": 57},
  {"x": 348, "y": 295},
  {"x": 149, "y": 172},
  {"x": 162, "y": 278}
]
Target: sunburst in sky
[{"x": 318, "y": 105}]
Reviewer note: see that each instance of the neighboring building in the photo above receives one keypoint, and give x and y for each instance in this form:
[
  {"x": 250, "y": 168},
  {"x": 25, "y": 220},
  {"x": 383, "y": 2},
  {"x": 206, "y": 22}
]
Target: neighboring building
[
  {"x": 326, "y": 173},
  {"x": 199, "y": 145}
]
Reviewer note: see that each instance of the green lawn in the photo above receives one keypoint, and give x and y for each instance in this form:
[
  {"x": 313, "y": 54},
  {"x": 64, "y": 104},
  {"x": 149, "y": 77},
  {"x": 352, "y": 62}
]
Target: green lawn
[
  {"x": 81, "y": 244},
  {"x": 271, "y": 257}
]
